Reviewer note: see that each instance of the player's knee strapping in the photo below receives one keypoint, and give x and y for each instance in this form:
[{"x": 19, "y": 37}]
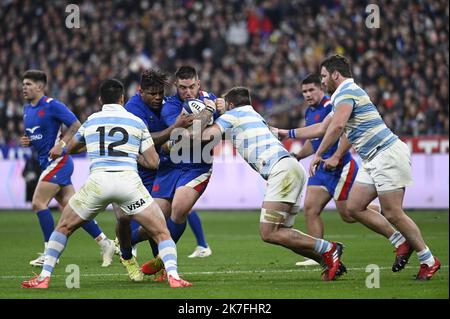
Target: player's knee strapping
[{"x": 277, "y": 217}]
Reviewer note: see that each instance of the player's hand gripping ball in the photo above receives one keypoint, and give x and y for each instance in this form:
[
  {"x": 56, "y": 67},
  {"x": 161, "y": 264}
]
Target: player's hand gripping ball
[{"x": 194, "y": 106}]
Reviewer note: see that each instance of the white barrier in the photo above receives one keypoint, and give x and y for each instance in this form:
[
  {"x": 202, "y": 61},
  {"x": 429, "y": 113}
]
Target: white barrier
[{"x": 234, "y": 185}]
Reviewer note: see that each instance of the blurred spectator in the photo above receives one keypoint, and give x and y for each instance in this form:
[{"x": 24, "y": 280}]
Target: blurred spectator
[{"x": 268, "y": 46}]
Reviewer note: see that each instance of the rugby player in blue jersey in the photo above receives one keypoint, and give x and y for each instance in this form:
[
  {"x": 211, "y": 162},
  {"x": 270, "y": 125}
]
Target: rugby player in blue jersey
[
  {"x": 178, "y": 186},
  {"x": 147, "y": 105},
  {"x": 43, "y": 117},
  {"x": 386, "y": 163}
]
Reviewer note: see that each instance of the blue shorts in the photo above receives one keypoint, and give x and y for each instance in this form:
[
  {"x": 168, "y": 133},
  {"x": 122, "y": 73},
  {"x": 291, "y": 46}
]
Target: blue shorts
[
  {"x": 337, "y": 182},
  {"x": 58, "y": 171},
  {"x": 169, "y": 179}
]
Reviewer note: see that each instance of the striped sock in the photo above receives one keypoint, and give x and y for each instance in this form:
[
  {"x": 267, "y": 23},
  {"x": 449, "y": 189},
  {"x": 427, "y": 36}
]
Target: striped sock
[
  {"x": 55, "y": 247},
  {"x": 397, "y": 239},
  {"x": 426, "y": 257},
  {"x": 322, "y": 246},
  {"x": 168, "y": 254}
]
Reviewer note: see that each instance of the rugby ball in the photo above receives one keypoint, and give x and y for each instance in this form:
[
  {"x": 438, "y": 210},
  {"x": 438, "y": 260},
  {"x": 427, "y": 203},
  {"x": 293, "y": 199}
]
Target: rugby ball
[{"x": 194, "y": 106}]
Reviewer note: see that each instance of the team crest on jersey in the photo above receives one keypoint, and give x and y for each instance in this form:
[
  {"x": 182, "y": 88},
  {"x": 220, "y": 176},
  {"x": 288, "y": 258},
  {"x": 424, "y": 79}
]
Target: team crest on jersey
[
  {"x": 317, "y": 117},
  {"x": 41, "y": 113}
]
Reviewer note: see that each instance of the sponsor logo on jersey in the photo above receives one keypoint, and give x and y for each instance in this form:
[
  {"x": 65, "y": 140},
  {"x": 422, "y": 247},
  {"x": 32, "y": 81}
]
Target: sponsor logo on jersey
[
  {"x": 36, "y": 137},
  {"x": 31, "y": 130}
]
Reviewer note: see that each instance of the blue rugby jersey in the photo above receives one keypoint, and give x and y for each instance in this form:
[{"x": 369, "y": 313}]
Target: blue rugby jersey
[
  {"x": 316, "y": 114},
  {"x": 172, "y": 107},
  {"x": 154, "y": 123},
  {"x": 43, "y": 124}
]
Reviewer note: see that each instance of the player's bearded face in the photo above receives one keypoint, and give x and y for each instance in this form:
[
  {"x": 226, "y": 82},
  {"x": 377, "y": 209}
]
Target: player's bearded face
[
  {"x": 188, "y": 88},
  {"x": 327, "y": 81}
]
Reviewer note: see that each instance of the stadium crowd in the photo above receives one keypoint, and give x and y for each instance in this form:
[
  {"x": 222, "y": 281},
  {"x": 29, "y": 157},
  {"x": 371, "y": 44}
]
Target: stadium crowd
[{"x": 268, "y": 46}]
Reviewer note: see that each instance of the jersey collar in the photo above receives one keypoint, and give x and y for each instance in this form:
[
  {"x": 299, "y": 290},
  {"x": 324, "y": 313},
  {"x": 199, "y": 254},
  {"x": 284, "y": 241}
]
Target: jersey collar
[
  {"x": 339, "y": 88},
  {"x": 39, "y": 102},
  {"x": 112, "y": 107}
]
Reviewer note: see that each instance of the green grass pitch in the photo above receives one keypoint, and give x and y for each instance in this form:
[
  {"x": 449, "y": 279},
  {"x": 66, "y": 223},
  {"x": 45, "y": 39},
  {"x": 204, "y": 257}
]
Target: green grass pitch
[{"x": 241, "y": 267}]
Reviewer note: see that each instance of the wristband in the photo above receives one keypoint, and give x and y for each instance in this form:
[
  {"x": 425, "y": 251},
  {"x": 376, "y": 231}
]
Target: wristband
[
  {"x": 63, "y": 144},
  {"x": 292, "y": 133}
]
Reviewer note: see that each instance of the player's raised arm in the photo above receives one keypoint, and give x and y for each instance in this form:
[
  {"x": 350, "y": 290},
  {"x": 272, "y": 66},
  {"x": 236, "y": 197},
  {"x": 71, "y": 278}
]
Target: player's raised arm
[{"x": 309, "y": 132}]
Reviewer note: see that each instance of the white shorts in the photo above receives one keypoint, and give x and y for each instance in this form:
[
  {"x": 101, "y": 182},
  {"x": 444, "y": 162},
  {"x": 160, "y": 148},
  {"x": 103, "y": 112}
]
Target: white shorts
[
  {"x": 103, "y": 188},
  {"x": 389, "y": 170},
  {"x": 286, "y": 181}
]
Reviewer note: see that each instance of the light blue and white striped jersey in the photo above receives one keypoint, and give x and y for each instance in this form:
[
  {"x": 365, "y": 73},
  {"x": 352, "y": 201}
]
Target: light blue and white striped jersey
[
  {"x": 114, "y": 138},
  {"x": 252, "y": 138},
  {"x": 365, "y": 129}
]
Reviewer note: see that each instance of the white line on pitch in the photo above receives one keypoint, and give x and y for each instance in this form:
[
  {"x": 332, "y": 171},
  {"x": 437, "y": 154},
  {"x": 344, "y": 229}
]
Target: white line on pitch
[{"x": 229, "y": 272}]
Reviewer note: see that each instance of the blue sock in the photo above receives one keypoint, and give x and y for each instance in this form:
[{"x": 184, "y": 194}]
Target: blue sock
[
  {"x": 127, "y": 252},
  {"x": 134, "y": 225},
  {"x": 176, "y": 230},
  {"x": 135, "y": 238},
  {"x": 154, "y": 247},
  {"x": 196, "y": 226},
  {"x": 92, "y": 228},
  {"x": 46, "y": 222}
]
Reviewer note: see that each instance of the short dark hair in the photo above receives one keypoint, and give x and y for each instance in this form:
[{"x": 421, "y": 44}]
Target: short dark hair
[
  {"x": 337, "y": 63},
  {"x": 239, "y": 96},
  {"x": 312, "y": 78},
  {"x": 111, "y": 90},
  {"x": 35, "y": 75},
  {"x": 153, "y": 79},
  {"x": 186, "y": 72}
]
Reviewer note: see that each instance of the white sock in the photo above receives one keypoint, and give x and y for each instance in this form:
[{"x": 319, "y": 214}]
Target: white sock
[
  {"x": 426, "y": 257},
  {"x": 102, "y": 240},
  {"x": 397, "y": 239}
]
